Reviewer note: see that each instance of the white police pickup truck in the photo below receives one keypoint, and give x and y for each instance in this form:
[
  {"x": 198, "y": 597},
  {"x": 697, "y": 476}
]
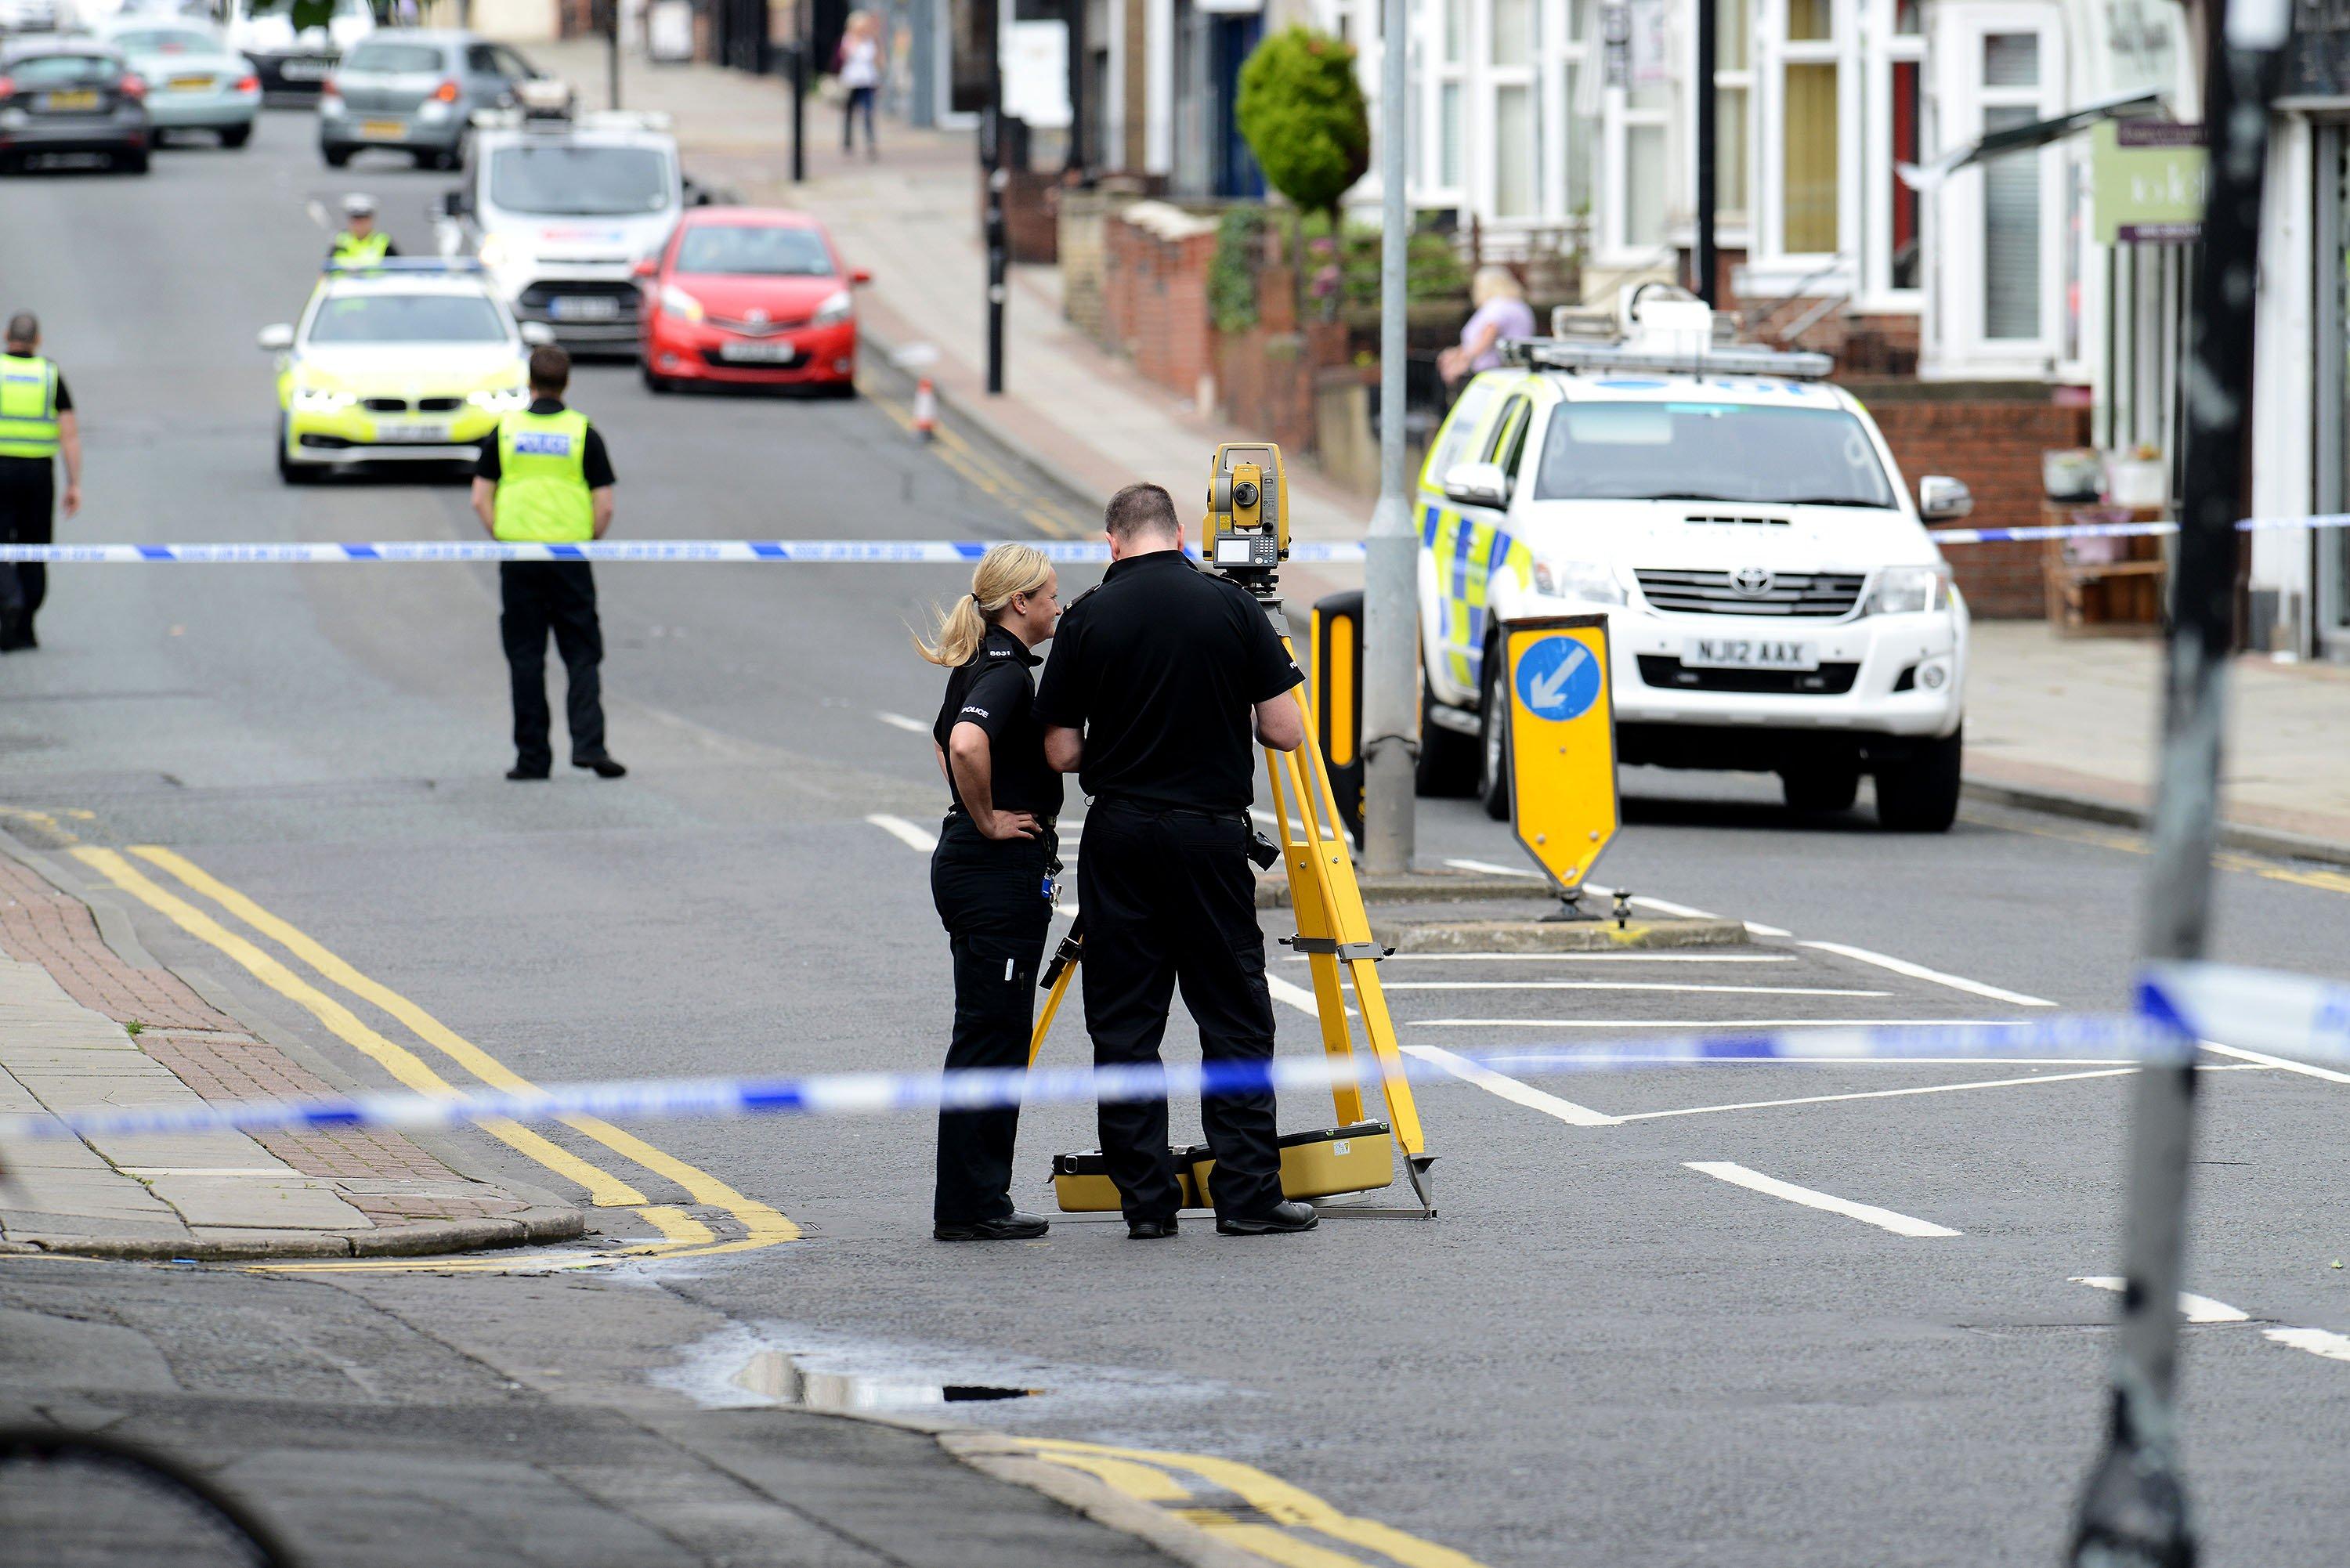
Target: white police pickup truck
[
  {"x": 1774, "y": 602},
  {"x": 559, "y": 208}
]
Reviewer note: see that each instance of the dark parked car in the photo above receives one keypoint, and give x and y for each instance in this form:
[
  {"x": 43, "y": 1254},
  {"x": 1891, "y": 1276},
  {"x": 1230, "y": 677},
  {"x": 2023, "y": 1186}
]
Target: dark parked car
[{"x": 71, "y": 95}]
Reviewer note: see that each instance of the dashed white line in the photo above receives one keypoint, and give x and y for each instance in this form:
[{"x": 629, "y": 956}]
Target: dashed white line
[
  {"x": 1510, "y": 1089},
  {"x": 2197, "y": 1309},
  {"x": 1625, "y": 985},
  {"x": 1867, "y": 1213},
  {"x": 2316, "y": 1341},
  {"x": 1919, "y": 971},
  {"x": 899, "y": 722},
  {"x": 904, "y": 832}
]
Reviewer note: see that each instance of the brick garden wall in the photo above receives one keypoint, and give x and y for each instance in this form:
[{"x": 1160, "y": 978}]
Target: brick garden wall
[
  {"x": 1989, "y": 435},
  {"x": 1154, "y": 296}
]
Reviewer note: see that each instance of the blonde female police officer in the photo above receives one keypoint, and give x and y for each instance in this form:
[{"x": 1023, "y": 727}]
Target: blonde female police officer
[{"x": 992, "y": 873}]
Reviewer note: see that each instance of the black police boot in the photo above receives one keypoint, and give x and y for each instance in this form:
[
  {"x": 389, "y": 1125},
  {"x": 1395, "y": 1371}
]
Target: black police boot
[
  {"x": 1279, "y": 1220},
  {"x": 605, "y": 767},
  {"x": 1013, "y": 1227},
  {"x": 1150, "y": 1229},
  {"x": 521, "y": 773}
]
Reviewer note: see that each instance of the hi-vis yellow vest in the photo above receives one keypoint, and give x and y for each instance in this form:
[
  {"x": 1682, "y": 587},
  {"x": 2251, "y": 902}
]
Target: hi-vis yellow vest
[
  {"x": 351, "y": 250},
  {"x": 543, "y": 479},
  {"x": 28, "y": 406}
]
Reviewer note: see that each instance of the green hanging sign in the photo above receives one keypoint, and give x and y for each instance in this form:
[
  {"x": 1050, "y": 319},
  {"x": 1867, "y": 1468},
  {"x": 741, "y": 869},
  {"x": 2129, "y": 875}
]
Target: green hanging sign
[{"x": 2150, "y": 177}]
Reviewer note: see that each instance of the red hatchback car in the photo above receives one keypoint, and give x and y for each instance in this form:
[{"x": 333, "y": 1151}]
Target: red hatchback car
[{"x": 749, "y": 295}]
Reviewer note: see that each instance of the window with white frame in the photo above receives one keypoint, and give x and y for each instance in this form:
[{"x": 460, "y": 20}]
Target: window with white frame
[
  {"x": 1733, "y": 111},
  {"x": 1896, "y": 135}
]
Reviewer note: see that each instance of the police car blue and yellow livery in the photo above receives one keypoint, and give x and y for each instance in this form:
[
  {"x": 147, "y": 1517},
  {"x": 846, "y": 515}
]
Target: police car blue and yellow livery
[
  {"x": 1775, "y": 603},
  {"x": 399, "y": 363}
]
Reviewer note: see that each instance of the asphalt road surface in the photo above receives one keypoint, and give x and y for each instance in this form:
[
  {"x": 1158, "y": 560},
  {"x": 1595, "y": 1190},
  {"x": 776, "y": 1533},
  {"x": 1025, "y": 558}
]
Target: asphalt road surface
[{"x": 1599, "y": 1355}]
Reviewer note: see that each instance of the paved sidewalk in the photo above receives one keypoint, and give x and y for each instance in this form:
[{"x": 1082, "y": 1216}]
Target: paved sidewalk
[
  {"x": 68, "y": 1008},
  {"x": 2059, "y": 724}
]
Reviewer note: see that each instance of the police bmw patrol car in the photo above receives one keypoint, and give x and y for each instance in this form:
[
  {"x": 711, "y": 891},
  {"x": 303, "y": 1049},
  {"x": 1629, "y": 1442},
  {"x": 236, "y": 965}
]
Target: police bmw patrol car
[
  {"x": 404, "y": 362},
  {"x": 1775, "y": 603}
]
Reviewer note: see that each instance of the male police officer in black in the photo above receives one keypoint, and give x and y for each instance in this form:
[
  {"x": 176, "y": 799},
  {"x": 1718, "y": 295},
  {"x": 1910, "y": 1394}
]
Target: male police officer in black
[{"x": 1153, "y": 683}]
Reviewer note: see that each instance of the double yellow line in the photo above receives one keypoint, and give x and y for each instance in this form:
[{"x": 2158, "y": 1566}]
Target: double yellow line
[
  {"x": 753, "y": 1224},
  {"x": 984, "y": 471}
]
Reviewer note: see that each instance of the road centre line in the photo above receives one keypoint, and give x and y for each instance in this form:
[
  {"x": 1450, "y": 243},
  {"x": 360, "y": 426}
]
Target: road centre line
[
  {"x": 2197, "y": 1309},
  {"x": 1279, "y": 1507},
  {"x": 904, "y": 832},
  {"x": 899, "y": 722},
  {"x": 1867, "y": 1213},
  {"x": 762, "y": 1226},
  {"x": 1919, "y": 971},
  {"x": 1510, "y": 1089},
  {"x": 1625, "y": 985}
]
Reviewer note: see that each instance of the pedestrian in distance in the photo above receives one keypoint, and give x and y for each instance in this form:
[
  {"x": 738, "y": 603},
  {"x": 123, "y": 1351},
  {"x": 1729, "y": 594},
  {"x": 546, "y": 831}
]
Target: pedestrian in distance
[
  {"x": 1157, "y": 681},
  {"x": 38, "y": 424},
  {"x": 992, "y": 874},
  {"x": 545, "y": 477},
  {"x": 859, "y": 66},
  {"x": 1501, "y": 312},
  {"x": 360, "y": 243}
]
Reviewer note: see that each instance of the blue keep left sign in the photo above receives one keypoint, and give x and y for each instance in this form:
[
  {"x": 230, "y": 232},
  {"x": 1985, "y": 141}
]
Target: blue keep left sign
[{"x": 1558, "y": 679}]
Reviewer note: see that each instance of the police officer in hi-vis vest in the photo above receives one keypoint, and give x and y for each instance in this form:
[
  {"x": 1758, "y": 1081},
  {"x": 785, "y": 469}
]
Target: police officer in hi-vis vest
[
  {"x": 37, "y": 425},
  {"x": 360, "y": 243},
  {"x": 545, "y": 477}
]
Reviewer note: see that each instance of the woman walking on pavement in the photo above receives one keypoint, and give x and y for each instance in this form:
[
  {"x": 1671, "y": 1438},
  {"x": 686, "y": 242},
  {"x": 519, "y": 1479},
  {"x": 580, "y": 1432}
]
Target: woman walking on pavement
[
  {"x": 992, "y": 874},
  {"x": 859, "y": 66}
]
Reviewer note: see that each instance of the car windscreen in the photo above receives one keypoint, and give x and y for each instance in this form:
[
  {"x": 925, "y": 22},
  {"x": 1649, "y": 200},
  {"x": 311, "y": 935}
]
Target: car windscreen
[
  {"x": 393, "y": 59},
  {"x": 169, "y": 41},
  {"x": 579, "y": 181},
  {"x": 741, "y": 251},
  {"x": 407, "y": 318},
  {"x": 1698, "y": 451},
  {"x": 64, "y": 70}
]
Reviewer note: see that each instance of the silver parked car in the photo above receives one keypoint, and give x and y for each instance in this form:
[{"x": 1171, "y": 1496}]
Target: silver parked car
[{"x": 414, "y": 91}]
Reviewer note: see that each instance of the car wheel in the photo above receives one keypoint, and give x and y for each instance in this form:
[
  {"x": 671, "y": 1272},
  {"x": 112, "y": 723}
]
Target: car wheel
[
  {"x": 335, "y": 156},
  {"x": 1820, "y": 788},
  {"x": 1920, "y": 793},
  {"x": 132, "y": 162},
  {"x": 655, "y": 383},
  {"x": 235, "y": 136},
  {"x": 1447, "y": 766},
  {"x": 1493, "y": 741},
  {"x": 290, "y": 472},
  {"x": 842, "y": 391}
]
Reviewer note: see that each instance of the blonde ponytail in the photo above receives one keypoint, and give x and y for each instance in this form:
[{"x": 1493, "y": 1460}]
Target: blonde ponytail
[{"x": 1004, "y": 571}]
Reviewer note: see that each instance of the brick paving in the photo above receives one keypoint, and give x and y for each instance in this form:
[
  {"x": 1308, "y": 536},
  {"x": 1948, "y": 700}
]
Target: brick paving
[{"x": 382, "y": 1174}]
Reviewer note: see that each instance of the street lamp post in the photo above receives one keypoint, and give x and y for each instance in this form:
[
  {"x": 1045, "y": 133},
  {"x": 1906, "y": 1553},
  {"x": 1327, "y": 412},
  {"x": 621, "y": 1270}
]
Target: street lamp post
[
  {"x": 799, "y": 90},
  {"x": 991, "y": 156},
  {"x": 1390, "y": 607}
]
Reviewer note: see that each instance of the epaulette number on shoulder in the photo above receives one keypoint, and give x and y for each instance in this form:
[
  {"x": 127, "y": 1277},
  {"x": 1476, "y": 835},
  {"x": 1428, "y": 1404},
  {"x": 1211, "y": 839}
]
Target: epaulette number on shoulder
[{"x": 1081, "y": 598}]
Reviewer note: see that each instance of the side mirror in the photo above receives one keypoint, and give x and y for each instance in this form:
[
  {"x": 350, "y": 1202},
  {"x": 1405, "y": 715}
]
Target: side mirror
[
  {"x": 1477, "y": 484},
  {"x": 278, "y": 339},
  {"x": 860, "y": 275},
  {"x": 646, "y": 268},
  {"x": 538, "y": 334},
  {"x": 456, "y": 204},
  {"x": 1941, "y": 499}
]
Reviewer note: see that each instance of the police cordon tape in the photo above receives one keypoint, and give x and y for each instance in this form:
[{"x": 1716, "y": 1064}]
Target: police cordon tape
[
  {"x": 2285, "y": 1014},
  {"x": 849, "y": 552}
]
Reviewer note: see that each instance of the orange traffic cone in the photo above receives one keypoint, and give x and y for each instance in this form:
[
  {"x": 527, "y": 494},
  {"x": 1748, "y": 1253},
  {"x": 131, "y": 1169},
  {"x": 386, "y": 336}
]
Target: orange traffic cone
[{"x": 926, "y": 410}]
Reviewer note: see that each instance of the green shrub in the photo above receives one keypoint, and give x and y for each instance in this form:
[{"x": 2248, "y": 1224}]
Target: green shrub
[
  {"x": 1231, "y": 274},
  {"x": 1302, "y": 112}
]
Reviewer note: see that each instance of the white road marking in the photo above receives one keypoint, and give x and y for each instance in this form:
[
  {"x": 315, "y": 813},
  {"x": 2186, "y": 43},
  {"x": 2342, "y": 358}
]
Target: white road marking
[
  {"x": 904, "y": 832},
  {"x": 1510, "y": 1089},
  {"x": 1662, "y": 906},
  {"x": 1919, "y": 971},
  {"x": 1867, "y": 1213},
  {"x": 1623, "y": 985},
  {"x": 1757, "y": 929},
  {"x": 1266, "y": 817},
  {"x": 899, "y": 722},
  {"x": 1697, "y": 1025},
  {"x": 1579, "y": 958},
  {"x": 1880, "y": 1094},
  {"x": 1297, "y": 996},
  {"x": 2196, "y": 1309},
  {"x": 2283, "y": 1064},
  {"x": 1488, "y": 868},
  {"x": 2316, "y": 1341}
]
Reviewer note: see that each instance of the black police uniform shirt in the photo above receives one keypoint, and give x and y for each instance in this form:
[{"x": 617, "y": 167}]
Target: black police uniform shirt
[
  {"x": 595, "y": 463},
  {"x": 34, "y": 473},
  {"x": 992, "y": 692},
  {"x": 1162, "y": 666}
]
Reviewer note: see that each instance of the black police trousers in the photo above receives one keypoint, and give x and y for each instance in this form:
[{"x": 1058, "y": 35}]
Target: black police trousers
[
  {"x": 535, "y": 597},
  {"x": 990, "y": 894},
  {"x": 1168, "y": 897},
  {"x": 28, "y": 498}
]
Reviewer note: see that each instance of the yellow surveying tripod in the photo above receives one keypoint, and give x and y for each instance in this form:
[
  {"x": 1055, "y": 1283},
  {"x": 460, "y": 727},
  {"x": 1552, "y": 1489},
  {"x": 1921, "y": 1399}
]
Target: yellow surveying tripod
[{"x": 1245, "y": 537}]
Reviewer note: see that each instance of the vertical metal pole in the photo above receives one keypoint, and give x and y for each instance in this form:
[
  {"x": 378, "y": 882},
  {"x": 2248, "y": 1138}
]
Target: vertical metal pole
[
  {"x": 2133, "y": 1513},
  {"x": 1076, "y": 161},
  {"x": 612, "y": 56},
  {"x": 1391, "y": 580},
  {"x": 991, "y": 153},
  {"x": 799, "y": 90},
  {"x": 1709, "y": 20}
]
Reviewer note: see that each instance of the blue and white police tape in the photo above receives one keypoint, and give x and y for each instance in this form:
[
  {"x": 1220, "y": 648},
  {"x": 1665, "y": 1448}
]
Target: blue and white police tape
[
  {"x": 793, "y": 552},
  {"x": 2121, "y": 530},
  {"x": 2179, "y": 1005}
]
